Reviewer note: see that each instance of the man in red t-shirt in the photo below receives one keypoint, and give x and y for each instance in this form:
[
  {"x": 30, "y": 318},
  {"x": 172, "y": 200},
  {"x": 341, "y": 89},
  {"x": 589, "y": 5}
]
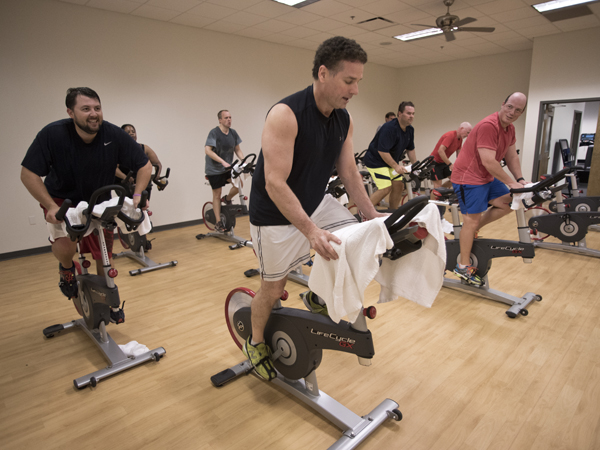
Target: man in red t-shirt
[
  {"x": 479, "y": 179},
  {"x": 448, "y": 144}
]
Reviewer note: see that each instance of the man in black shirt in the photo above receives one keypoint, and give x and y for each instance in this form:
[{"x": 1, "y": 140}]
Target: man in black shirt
[
  {"x": 78, "y": 156},
  {"x": 305, "y": 136}
]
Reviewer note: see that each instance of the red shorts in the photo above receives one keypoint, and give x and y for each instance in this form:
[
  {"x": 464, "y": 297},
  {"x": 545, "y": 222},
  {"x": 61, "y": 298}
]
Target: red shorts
[{"x": 90, "y": 243}]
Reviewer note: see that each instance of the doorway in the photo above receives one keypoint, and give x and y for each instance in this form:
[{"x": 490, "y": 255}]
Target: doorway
[{"x": 562, "y": 120}]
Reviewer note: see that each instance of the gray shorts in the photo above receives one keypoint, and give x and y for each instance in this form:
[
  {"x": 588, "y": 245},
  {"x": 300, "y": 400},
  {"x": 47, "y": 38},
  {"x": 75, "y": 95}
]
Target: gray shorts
[{"x": 282, "y": 248}]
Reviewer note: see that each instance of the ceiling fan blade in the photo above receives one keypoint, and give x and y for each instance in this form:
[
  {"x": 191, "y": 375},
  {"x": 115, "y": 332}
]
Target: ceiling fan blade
[
  {"x": 464, "y": 21},
  {"x": 477, "y": 29},
  {"x": 423, "y": 25},
  {"x": 449, "y": 36}
]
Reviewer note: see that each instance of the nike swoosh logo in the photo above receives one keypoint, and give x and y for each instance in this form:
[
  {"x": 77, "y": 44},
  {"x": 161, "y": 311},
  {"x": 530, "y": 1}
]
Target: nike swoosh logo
[{"x": 106, "y": 143}]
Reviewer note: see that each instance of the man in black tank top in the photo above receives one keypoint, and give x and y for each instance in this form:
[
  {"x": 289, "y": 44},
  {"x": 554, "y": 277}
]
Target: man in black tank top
[{"x": 305, "y": 137}]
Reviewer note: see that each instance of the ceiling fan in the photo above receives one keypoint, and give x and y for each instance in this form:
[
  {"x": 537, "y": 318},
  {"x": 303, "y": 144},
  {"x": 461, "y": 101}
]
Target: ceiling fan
[{"x": 449, "y": 24}]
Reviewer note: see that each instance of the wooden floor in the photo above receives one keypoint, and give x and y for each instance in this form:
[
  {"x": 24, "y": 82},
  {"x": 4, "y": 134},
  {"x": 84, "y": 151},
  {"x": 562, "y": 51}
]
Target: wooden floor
[{"x": 464, "y": 374}]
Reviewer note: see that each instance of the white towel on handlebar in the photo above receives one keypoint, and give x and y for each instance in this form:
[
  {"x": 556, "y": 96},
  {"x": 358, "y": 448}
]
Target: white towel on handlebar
[
  {"x": 418, "y": 276},
  {"x": 517, "y": 201},
  {"x": 75, "y": 216}
]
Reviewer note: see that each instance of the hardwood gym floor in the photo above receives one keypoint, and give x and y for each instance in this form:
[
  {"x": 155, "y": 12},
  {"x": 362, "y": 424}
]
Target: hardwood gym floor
[{"x": 464, "y": 374}]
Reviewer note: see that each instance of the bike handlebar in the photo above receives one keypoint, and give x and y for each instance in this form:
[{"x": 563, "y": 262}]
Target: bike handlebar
[{"x": 409, "y": 210}]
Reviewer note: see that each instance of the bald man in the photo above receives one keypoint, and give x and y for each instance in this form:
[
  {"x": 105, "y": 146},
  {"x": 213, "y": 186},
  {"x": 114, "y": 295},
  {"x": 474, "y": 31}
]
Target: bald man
[
  {"x": 478, "y": 178},
  {"x": 449, "y": 143}
]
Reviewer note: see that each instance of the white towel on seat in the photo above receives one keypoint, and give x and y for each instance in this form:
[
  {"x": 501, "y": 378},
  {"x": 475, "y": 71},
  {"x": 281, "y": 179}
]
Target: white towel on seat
[
  {"x": 341, "y": 283},
  {"x": 417, "y": 276},
  {"x": 75, "y": 216},
  {"x": 517, "y": 201}
]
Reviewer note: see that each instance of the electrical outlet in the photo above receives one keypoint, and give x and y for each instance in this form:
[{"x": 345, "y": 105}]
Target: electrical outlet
[{"x": 31, "y": 220}]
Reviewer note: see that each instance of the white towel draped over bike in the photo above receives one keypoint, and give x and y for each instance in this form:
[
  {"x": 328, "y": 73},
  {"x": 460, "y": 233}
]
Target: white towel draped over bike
[{"x": 417, "y": 276}]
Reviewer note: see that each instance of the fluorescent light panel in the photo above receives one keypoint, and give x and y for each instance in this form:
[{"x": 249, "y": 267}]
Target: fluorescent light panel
[
  {"x": 557, "y": 4},
  {"x": 295, "y": 2},
  {"x": 419, "y": 34}
]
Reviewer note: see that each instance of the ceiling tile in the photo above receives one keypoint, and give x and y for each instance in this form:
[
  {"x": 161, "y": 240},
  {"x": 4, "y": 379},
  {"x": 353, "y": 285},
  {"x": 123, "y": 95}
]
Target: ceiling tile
[
  {"x": 327, "y": 8},
  {"x": 352, "y": 16},
  {"x": 152, "y": 12},
  {"x": 234, "y": 4},
  {"x": 274, "y": 25},
  {"x": 269, "y": 8},
  {"x": 300, "y": 32},
  {"x": 527, "y": 22},
  {"x": 500, "y": 6},
  {"x": 122, "y": 6},
  {"x": 325, "y": 24},
  {"x": 225, "y": 27},
  {"x": 384, "y": 7},
  {"x": 77, "y": 2},
  {"x": 175, "y": 5},
  {"x": 192, "y": 20},
  {"x": 298, "y": 17},
  {"x": 245, "y": 18},
  {"x": 515, "y": 14},
  {"x": 540, "y": 30},
  {"x": 212, "y": 11},
  {"x": 350, "y": 31},
  {"x": 356, "y": 3},
  {"x": 578, "y": 23}
]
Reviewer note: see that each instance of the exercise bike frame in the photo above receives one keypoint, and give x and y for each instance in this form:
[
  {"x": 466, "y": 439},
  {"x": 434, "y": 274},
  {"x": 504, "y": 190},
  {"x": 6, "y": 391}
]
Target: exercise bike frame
[
  {"x": 97, "y": 294},
  {"x": 299, "y": 336}
]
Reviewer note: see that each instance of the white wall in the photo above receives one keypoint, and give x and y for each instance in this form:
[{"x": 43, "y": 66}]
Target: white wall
[
  {"x": 564, "y": 66},
  {"x": 449, "y": 93},
  {"x": 168, "y": 80}
]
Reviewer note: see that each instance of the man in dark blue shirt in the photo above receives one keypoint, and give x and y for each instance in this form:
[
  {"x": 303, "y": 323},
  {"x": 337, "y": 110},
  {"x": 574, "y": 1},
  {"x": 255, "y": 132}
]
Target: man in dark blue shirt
[{"x": 385, "y": 152}]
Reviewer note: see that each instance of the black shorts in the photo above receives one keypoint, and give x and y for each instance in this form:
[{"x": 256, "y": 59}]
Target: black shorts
[
  {"x": 440, "y": 171},
  {"x": 218, "y": 181}
]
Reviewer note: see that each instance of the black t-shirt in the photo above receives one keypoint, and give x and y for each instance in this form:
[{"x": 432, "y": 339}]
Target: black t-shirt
[
  {"x": 318, "y": 145},
  {"x": 389, "y": 139},
  {"x": 74, "y": 169}
]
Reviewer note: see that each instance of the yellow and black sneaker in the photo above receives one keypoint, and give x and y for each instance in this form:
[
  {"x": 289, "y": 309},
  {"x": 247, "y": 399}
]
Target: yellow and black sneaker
[{"x": 260, "y": 357}]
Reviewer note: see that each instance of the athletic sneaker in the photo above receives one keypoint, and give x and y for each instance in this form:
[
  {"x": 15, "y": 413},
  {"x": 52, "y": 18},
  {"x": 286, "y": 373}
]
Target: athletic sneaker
[
  {"x": 220, "y": 227},
  {"x": 311, "y": 300},
  {"x": 468, "y": 274},
  {"x": 260, "y": 357},
  {"x": 225, "y": 201},
  {"x": 68, "y": 282},
  {"x": 117, "y": 316}
]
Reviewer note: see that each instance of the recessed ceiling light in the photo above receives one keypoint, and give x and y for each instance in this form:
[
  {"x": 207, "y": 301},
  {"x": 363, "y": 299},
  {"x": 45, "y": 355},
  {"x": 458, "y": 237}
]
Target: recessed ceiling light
[
  {"x": 419, "y": 34},
  {"x": 557, "y": 4},
  {"x": 296, "y": 3}
]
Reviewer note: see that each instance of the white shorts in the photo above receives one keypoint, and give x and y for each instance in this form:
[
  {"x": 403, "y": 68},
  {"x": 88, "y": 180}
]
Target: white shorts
[{"x": 281, "y": 248}]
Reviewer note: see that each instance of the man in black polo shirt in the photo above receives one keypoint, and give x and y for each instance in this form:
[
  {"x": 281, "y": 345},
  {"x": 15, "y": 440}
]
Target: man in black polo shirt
[{"x": 78, "y": 156}]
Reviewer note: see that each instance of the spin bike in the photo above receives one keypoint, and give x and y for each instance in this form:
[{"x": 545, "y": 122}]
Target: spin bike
[
  {"x": 570, "y": 226},
  {"x": 419, "y": 171},
  {"x": 137, "y": 245},
  {"x": 298, "y": 338},
  {"x": 229, "y": 212},
  {"x": 98, "y": 294},
  {"x": 484, "y": 250}
]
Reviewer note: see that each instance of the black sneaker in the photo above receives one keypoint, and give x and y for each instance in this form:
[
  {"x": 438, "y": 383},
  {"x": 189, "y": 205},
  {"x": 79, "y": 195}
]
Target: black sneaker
[
  {"x": 225, "y": 201},
  {"x": 117, "y": 316},
  {"x": 68, "y": 282},
  {"x": 220, "y": 227}
]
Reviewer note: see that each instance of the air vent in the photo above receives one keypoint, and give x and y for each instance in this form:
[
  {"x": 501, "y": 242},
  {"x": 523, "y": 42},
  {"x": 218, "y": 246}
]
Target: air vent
[{"x": 374, "y": 24}]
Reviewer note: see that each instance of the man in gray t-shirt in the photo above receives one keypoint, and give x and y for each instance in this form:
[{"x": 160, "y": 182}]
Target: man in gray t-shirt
[{"x": 222, "y": 142}]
